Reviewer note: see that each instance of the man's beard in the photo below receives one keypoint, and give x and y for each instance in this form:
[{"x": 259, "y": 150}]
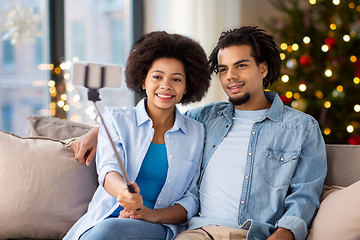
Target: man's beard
[{"x": 240, "y": 100}]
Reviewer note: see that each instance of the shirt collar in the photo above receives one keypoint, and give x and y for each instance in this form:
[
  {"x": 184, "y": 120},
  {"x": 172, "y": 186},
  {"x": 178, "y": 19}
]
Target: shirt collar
[
  {"x": 275, "y": 112},
  {"x": 142, "y": 117}
]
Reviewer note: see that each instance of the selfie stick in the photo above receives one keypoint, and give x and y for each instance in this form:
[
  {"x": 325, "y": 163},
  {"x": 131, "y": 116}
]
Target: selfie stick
[{"x": 93, "y": 95}]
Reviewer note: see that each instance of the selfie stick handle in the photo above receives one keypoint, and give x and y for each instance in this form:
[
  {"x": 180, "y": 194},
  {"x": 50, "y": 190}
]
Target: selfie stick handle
[{"x": 93, "y": 95}]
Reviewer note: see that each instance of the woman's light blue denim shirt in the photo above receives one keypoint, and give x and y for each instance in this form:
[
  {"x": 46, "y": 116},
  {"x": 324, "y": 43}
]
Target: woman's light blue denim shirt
[
  {"x": 132, "y": 132},
  {"x": 285, "y": 169}
]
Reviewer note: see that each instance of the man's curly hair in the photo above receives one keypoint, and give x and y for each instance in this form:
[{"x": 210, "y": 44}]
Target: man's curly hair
[
  {"x": 264, "y": 49},
  {"x": 161, "y": 44}
]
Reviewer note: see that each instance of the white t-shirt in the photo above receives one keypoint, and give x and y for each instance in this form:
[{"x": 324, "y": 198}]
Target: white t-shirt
[{"x": 221, "y": 186}]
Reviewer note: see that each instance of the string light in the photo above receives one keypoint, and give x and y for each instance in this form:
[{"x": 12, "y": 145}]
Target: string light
[
  {"x": 352, "y": 5},
  {"x": 285, "y": 78},
  {"x": 312, "y": 2},
  {"x": 296, "y": 96},
  {"x": 336, "y": 2},
  {"x": 295, "y": 47},
  {"x": 340, "y": 88},
  {"x": 346, "y": 38},
  {"x": 357, "y": 108},
  {"x": 333, "y": 26},
  {"x": 327, "y": 131},
  {"x": 306, "y": 40},
  {"x": 327, "y": 104},
  {"x": 353, "y": 58},
  {"x": 319, "y": 94},
  {"x": 282, "y": 56},
  {"x": 356, "y": 80},
  {"x": 350, "y": 128},
  {"x": 325, "y": 48},
  {"x": 328, "y": 73},
  {"x": 302, "y": 87},
  {"x": 289, "y": 94},
  {"x": 283, "y": 46}
]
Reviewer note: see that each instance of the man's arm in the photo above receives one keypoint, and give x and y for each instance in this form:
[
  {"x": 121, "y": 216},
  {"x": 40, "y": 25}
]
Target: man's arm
[
  {"x": 85, "y": 146},
  {"x": 281, "y": 234}
]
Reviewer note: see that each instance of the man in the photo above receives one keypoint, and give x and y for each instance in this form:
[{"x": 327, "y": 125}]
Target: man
[{"x": 264, "y": 163}]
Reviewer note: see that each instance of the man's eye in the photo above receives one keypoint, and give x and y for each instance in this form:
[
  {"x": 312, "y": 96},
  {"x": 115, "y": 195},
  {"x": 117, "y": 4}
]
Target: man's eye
[
  {"x": 222, "y": 70},
  {"x": 241, "y": 65}
]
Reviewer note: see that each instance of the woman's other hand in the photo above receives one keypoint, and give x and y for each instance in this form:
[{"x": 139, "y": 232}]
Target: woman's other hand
[{"x": 85, "y": 146}]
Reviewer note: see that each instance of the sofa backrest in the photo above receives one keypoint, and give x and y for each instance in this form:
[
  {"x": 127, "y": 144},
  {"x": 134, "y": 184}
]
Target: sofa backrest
[{"x": 343, "y": 164}]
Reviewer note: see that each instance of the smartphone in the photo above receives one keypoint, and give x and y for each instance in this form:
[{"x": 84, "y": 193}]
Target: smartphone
[{"x": 96, "y": 75}]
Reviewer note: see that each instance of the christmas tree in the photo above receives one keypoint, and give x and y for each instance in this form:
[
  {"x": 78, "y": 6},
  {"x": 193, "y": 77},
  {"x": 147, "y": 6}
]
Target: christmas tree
[{"x": 320, "y": 50}]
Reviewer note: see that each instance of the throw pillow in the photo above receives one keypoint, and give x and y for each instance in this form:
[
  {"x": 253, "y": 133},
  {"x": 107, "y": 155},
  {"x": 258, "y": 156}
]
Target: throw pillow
[
  {"x": 338, "y": 216},
  {"x": 55, "y": 128},
  {"x": 44, "y": 190}
]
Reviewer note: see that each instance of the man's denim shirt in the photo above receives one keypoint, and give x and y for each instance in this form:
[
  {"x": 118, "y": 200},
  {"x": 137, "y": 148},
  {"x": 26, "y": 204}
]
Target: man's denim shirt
[{"x": 285, "y": 169}]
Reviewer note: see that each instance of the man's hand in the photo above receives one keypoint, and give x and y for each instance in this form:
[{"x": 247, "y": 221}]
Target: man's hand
[
  {"x": 281, "y": 234},
  {"x": 85, "y": 146}
]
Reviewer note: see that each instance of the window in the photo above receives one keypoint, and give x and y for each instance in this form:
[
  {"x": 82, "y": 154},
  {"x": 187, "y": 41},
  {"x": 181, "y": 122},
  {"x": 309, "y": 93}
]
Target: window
[
  {"x": 97, "y": 31},
  {"x": 23, "y": 85}
]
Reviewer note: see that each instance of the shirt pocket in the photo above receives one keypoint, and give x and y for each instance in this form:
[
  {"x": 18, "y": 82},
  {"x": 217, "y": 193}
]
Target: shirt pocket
[
  {"x": 184, "y": 177},
  {"x": 280, "y": 166}
]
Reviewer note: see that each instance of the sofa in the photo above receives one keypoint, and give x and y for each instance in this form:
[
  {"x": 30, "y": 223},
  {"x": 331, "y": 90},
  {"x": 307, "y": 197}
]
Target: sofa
[{"x": 44, "y": 189}]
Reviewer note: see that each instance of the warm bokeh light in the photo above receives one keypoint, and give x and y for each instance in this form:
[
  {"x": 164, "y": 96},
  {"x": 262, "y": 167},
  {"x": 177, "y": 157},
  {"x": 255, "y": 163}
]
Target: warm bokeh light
[
  {"x": 302, "y": 87},
  {"x": 319, "y": 94},
  {"x": 336, "y": 2},
  {"x": 285, "y": 78},
  {"x": 350, "y": 128},
  {"x": 327, "y": 104},
  {"x": 283, "y": 46},
  {"x": 357, "y": 108},
  {"x": 353, "y": 58},
  {"x": 356, "y": 80},
  {"x": 312, "y": 2},
  {"x": 282, "y": 56},
  {"x": 289, "y": 94},
  {"x": 325, "y": 48},
  {"x": 296, "y": 96},
  {"x": 327, "y": 131},
  {"x": 346, "y": 38},
  {"x": 328, "y": 73},
  {"x": 295, "y": 47},
  {"x": 306, "y": 40},
  {"x": 340, "y": 88},
  {"x": 333, "y": 26}
]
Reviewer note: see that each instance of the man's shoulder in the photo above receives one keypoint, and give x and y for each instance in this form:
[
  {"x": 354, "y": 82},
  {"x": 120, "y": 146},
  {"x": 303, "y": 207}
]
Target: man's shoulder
[
  {"x": 297, "y": 116},
  {"x": 210, "y": 109}
]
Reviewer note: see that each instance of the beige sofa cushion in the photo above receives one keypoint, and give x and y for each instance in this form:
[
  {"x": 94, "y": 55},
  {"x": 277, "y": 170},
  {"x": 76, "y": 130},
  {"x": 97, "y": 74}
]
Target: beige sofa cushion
[
  {"x": 338, "y": 216},
  {"x": 343, "y": 164},
  {"x": 55, "y": 128},
  {"x": 43, "y": 189}
]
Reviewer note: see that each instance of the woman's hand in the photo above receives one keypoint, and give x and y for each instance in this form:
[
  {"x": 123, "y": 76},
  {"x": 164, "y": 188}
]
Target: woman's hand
[
  {"x": 130, "y": 201},
  {"x": 144, "y": 213},
  {"x": 85, "y": 146}
]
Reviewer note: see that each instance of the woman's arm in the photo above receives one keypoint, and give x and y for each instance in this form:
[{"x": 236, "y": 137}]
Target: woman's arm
[{"x": 115, "y": 185}]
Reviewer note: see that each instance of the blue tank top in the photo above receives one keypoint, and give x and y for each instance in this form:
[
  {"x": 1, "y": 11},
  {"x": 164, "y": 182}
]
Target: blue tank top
[{"x": 152, "y": 175}]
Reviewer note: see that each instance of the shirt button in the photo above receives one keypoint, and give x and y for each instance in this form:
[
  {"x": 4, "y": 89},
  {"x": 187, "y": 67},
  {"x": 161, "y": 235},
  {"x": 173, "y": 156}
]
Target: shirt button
[
  {"x": 282, "y": 159},
  {"x": 168, "y": 180},
  {"x": 213, "y": 146},
  {"x": 246, "y": 177},
  {"x": 167, "y": 136},
  {"x": 242, "y": 202},
  {"x": 253, "y": 133},
  {"x": 170, "y": 156},
  {"x": 250, "y": 153},
  {"x": 227, "y": 126}
]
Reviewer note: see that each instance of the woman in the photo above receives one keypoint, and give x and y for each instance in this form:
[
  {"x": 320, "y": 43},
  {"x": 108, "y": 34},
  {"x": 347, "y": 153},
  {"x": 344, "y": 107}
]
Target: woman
[{"x": 161, "y": 148}]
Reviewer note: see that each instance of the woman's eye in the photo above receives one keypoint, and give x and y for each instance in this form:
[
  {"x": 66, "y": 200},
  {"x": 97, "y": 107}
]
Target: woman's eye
[
  {"x": 157, "y": 77},
  {"x": 177, "y": 80}
]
